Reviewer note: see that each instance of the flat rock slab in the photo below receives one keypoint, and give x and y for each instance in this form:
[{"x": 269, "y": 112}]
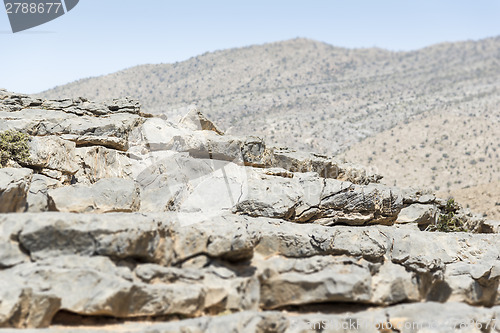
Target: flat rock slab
[
  {"x": 105, "y": 196},
  {"x": 110, "y": 130}
]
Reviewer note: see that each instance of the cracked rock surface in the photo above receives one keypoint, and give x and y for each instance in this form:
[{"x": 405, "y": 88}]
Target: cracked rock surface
[{"x": 127, "y": 222}]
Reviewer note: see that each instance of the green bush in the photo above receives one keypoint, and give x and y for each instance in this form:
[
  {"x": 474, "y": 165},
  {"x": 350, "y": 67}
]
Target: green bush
[
  {"x": 13, "y": 146},
  {"x": 448, "y": 221}
]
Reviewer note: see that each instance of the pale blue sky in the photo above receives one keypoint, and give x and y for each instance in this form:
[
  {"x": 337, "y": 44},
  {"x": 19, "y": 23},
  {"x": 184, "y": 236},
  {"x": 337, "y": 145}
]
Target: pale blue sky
[{"x": 103, "y": 36}]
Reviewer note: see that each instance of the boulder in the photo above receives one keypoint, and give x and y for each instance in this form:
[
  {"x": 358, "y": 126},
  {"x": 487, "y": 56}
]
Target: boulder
[
  {"x": 96, "y": 163},
  {"x": 51, "y": 152},
  {"x": 14, "y": 186},
  {"x": 421, "y": 214},
  {"x": 37, "y": 199},
  {"x": 194, "y": 120},
  {"x": 105, "y": 196}
]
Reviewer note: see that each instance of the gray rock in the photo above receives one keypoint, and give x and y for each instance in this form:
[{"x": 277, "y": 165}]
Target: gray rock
[
  {"x": 178, "y": 182},
  {"x": 418, "y": 213},
  {"x": 194, "y": 120},
  {"x": 50, "y": 235},
  {"x": 110, "y": 131},
  {"x": 224, "y": 289},
  {"x": 313, "y": 280},
  {"x": 491, "y": 226},
  {"x": 104, "y": 289},
  {"x": 37, "y": 199},
  {"x": 25, "y": 308},
  {"x": 474, "y": 284},
  {"x": 324, "y": 166},
  {"x": 106, "y": 196},
  {"x": 308, "y": 198},
  {"x": 96, "y": 163},
  {"x": 10, "y": 251},
  {"x": 53, "y": 153},
  {"x": 14, "y": 186}
]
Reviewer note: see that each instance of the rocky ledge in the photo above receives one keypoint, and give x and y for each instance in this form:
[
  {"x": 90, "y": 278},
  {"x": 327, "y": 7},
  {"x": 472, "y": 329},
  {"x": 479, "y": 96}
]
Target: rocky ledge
[{"x": 121, "y": 220}]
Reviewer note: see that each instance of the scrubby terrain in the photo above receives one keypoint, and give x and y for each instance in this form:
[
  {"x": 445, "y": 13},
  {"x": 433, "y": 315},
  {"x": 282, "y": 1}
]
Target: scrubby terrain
[
  {"x": 313, "y": 96},
  {"x": 123, "y": 220}
]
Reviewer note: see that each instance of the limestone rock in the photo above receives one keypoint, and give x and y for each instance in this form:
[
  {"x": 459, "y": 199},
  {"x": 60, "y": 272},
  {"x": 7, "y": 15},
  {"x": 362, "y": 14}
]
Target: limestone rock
[
  {"x": 37, "y": 199},
  {"x": 308, "y": 198},
  {"x": 313, "y": 280},
  {"x": 96, "y": 163},
  {"x": 24, "y": 308},
  {"x": 110, "y": 131},
  {"x": 418, "y": 213},
  {"x": 51, "y": 152},
  {"x": 14, "y": 186},
  {"x": 51, "y": 235},
  {"x": 105, "y": 196},
  {"x": 196, "y": 121}
]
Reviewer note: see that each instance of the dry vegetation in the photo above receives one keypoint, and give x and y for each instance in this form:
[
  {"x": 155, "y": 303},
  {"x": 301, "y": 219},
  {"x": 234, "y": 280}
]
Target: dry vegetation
[{"x": 423, "y": 118}]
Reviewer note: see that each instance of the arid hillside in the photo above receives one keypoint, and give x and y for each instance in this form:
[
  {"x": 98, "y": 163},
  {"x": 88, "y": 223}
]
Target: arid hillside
[{"x": 424, "y": 118}]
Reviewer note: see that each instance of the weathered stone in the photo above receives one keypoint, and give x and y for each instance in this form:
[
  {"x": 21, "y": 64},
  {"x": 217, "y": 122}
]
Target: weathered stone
[
  {"x": 313, "y": 280},
  {"x": 418, "y": 213},
  {"x": 181, "y": 183},
  {"x": 53, "y": 153},
  {"x": 106, "y": 196},
  {"x": 54, "y": 234},
  {"x": 14, "y": 186},
  {"x": 110, "y": 131},
  {"x": 224, "y": 289},
  {"x": 491, "y": 226},
  {"x": 37, "y": 199},
  {"x": 194, "y": 120},
  {"x": 324, "y": 166},
  {"x": 393, "y": 284},
  {"x": 308, "y": 198},
  {"x": 475, "y": 284},
  {"x": 105, "y": 289},
  {"x": 10, "y": 251},
  {"x": 96, "y": 163},
  {"x": 21, "y": 307}
]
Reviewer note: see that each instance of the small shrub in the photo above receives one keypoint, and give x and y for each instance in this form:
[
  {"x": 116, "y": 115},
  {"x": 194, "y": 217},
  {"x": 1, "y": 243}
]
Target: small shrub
[
  {"x": 13, "y": 146},
  {"x": 448, "y": 221}
]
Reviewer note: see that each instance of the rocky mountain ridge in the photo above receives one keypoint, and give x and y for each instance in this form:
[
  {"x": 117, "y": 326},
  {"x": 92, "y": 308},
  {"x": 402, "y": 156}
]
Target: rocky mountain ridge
[
  {"x": 312, "y": 96},
  {"x": 121, "y": 219}
]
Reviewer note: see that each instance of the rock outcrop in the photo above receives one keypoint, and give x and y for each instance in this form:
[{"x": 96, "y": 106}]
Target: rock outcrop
[{"x": 122, "y": 218}]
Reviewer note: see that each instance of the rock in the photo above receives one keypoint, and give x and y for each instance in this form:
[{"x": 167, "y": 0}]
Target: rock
[
  {"x": 14, "y": 185},
  {"x": 474, "y": 284},
  {"x": 308, "y": 198},
  {"x": 313, "y": 280},
  {"x": 37, "y": 199},
  {"x": 53, "y": 153},
  {"x": 105, "y": 196},
  {"x": 24, "y": 308},
  {"x": 51, "y": 235},
  {"x": 418, "y": 213},
  {"x": 224, "y": 289},
  {"x": 10, "y": 251},
  {"x": 324, "y": 166},
  {"x": 491, "y": 226},
  {"x": 194, "y": 120},
  {"x": 180, "y": 183},
  {"x": 81, "y": 106},
  {"x": 393, "y": 284},
  {"x": 96, "y": 163},
  {"x": 110, "y": 131},
  {"x": 104, "y": 289},
  {"x": 201, "y": 224}
]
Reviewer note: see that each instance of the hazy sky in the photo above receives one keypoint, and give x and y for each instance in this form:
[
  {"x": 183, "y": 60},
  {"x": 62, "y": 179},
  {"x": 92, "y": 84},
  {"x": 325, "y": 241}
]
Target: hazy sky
[{"x": 102, "y": 36}]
